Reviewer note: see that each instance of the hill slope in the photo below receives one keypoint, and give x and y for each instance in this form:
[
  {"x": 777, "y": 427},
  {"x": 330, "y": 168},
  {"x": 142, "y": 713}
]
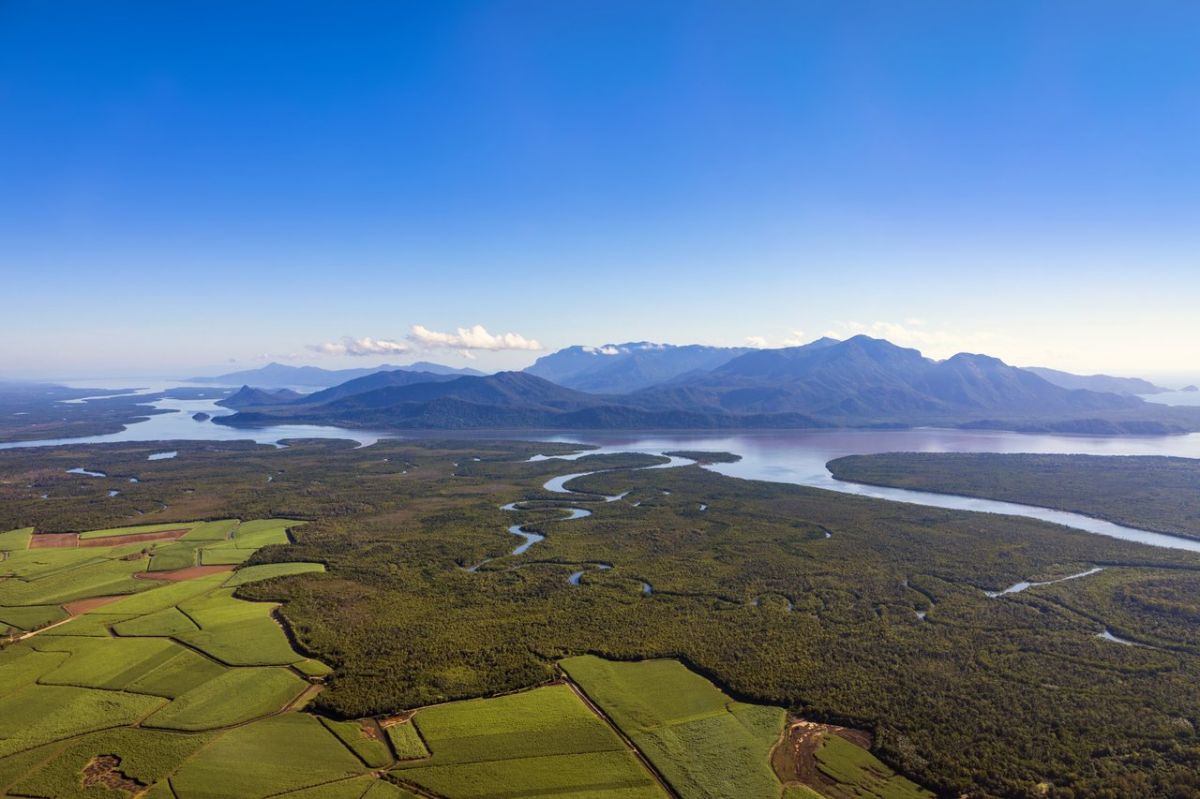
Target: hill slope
[
  {"x": 623, "y": 368},
  {"x": 1113, "y": 385},
  {"x": 279, "y": 375},
  {"x": 859, "y": 382}
]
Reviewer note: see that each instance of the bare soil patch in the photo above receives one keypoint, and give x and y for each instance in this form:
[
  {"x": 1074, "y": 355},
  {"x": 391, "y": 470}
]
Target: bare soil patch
[
  {"x": 105, "y": 770},
  {"x": 794, "y": 757},
  {"x": 53, "y": 540},
  {"x": 59, "y": 540},
  {"x": 392, "y": 721},
  {"x": 133, "y": 538},
  {"x": 190, "y": 573},
  {"x": 81, "y": 606}
]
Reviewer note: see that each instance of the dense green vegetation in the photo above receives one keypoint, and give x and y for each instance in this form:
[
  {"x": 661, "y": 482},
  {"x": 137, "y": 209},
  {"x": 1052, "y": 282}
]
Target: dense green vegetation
[
  {"x": 1013, "y": 697},
  {"x": 1149, "y": 492},
  {"x": 36, "y": 411}
]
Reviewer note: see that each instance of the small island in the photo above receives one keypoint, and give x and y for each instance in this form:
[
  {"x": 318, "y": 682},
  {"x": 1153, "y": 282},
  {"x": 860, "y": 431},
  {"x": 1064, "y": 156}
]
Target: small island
[
  {"x": 1190, "y": 388},
  {"x": 201, "y": 416},
  {"x": 704, "y": 458}
]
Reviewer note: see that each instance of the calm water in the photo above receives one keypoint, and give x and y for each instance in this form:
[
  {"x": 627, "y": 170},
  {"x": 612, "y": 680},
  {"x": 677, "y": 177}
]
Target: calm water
[
  {"x": 800, "y": 457},
  {"x": 179, "y": 425},
  {"x": 1174, "y": 398},
  {"x": 779, "y": 456}
]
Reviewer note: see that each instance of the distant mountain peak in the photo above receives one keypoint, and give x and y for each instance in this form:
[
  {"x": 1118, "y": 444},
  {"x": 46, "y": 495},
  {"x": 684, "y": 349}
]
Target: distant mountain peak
[
  {"x": 279, "y": 375},
  {"x": 1130, "y": 386},
  {"x": 629, "y": 366}
]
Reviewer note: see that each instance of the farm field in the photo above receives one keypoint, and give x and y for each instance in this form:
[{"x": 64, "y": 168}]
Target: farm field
[
  {"x": 543, "y": 742},
  {"x": 705, "y": 745},
  {"x": 708, "y": 746},
  {"x": 165, "y": 686},
  {"x": 94, "y": 695}
]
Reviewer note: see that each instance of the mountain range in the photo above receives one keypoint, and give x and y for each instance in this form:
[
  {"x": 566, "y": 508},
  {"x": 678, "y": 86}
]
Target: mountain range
[
  {"x": 1115, "y": 385},
  {"x": 858, "y": 382},
  {"x": 279, "y": 375},
  {"x": 624, "y": 368}
]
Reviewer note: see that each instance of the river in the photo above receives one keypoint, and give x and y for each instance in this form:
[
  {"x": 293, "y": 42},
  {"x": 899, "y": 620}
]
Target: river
[{"x": 787, "y": 456}]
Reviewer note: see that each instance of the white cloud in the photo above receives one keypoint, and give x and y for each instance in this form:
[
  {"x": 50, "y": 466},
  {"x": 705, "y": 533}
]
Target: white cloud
[
  {"x": 462, "y": 341},
  {"x": 916, "y": 333},
  {"x": 470, "y": 338},
  {"x": 756, "y": 341},
  {"x": 795, "y": 339},
  {"x": 607, "y": 349},
  {"x": 360, "y": 346}
]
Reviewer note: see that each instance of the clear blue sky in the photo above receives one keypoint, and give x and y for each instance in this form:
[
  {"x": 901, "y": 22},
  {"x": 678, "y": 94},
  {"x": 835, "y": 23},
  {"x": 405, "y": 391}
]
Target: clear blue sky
[{"x": 185, "y": 184}]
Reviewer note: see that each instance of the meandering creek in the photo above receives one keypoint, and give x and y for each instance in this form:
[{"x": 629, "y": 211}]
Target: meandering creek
[
  {"x": 800, "y": 456},
  {"x": 788, "y": 456}
]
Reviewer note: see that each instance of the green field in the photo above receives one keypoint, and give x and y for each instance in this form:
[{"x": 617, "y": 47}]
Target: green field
[
  {"x": 212, "y": 531},
  {"x": 363, "y": 739},
  {"x": 544, "y": 742},
  {"x": 236, "y": 632},
  {"x": 703, "y": 743},
  {"x": 168, "y": 656},
  {"x": 146, "y": 756},
  {"x": 232, "y": 697},
  {"x": 859, "y": 774},
  {"x": 406, "y": 741},
  {"x": 266, "y": 571},
  {"x": 135, "y": 530},
  {"x": 285, "y": 753}
]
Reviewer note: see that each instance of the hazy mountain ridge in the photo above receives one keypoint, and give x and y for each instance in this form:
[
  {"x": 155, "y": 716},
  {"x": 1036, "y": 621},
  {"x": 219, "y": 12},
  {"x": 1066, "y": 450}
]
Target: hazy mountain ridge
[
  {"x": 1098, "y": 382},
  {"x": 628, "y": 367},
  {"x": 860, "y": 382},
  {"x": 279, "y": 375},
  {"x": 373, "y": 382},
  {"x": 247, "y": 397}
]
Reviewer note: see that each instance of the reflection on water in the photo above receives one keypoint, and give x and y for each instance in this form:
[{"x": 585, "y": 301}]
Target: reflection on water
[
  {"x": 800, "y": 457},
  {"x": 1174, "y": 398},
  {"x": 180, "y": 426},
  {"x": 787, "y": 456},
  {"x": 1017, "y": 588}
]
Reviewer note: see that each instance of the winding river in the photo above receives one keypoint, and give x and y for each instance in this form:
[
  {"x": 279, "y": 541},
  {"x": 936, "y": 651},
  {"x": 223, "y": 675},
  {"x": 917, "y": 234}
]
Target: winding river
[
  {"x": 800, "y": 456},
  {"x": 788, "y": 456}
]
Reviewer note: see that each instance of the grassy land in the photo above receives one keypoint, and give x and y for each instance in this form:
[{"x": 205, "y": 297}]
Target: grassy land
[
  {"x": 988, "y": 697},
  {"x": 543, "y": 742},
  {"x": 705, "y": 745},
  {"x": 858, "y": 774},
  {"x": 1152, "y": 493},
  {"x": 131, "y": 662},
  {"x": 289, "y": 752},
  {"x": 363, "y": 739},
  {"x": 232, "y": 697}
]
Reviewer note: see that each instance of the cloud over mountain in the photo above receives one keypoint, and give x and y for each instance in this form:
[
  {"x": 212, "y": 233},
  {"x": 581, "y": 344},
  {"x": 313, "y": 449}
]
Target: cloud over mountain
[
  {"x": 470, "y": 338},
  {"x": 464, "y": 339},
  {"x": 360, "y": 346}
]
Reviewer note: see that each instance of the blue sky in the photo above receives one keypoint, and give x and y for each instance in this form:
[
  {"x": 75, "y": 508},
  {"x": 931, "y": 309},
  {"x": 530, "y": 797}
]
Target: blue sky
[{"x": 186, "y": 185}]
